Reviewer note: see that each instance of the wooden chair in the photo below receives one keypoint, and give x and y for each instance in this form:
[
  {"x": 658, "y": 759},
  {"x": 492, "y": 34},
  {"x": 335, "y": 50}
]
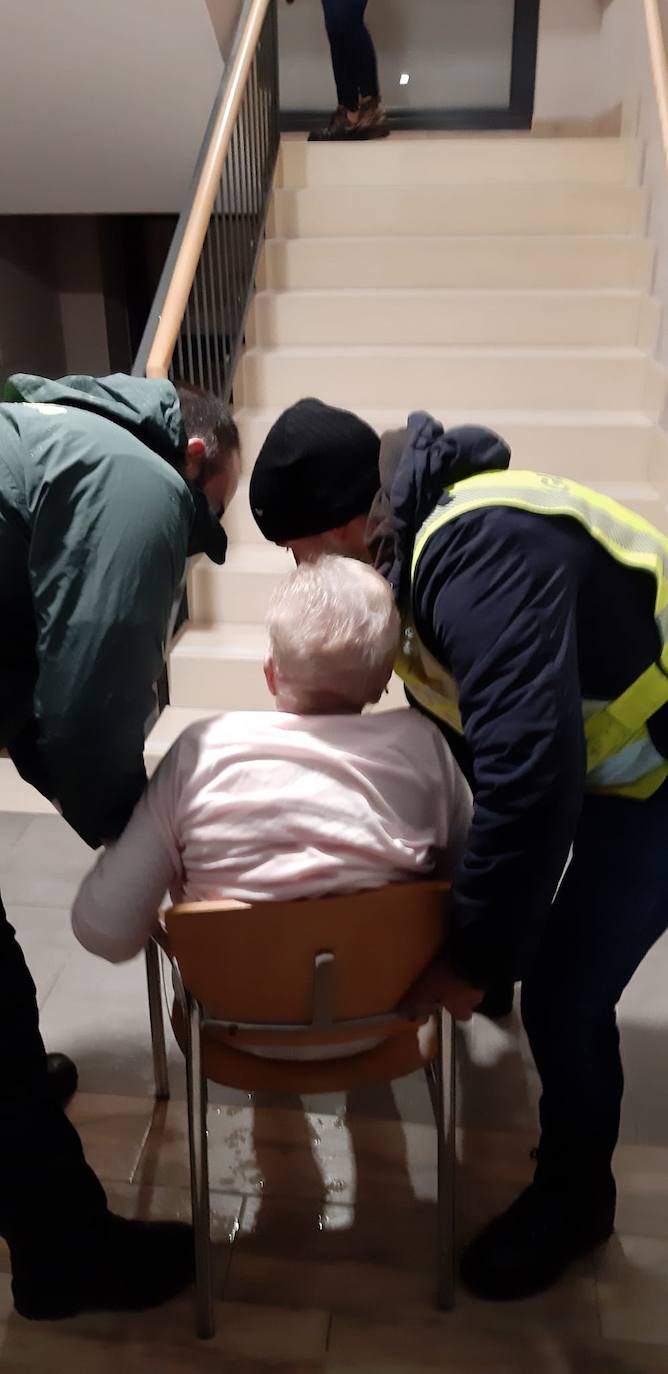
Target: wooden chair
[{"x": 311, "y": 972}]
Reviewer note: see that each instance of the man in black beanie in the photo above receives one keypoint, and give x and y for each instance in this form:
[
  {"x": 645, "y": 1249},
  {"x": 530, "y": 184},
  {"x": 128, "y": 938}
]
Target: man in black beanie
[
  {"x": 533, "y": 631},
  {"x": 315, "y": 480}
]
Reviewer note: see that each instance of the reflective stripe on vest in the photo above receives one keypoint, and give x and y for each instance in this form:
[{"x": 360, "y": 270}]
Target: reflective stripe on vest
[{"x": 620, "y": 755}]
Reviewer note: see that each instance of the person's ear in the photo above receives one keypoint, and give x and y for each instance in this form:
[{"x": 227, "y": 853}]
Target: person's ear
[
  {"x": 270, "y": 675},
  {"x": 195, "y": 455}
]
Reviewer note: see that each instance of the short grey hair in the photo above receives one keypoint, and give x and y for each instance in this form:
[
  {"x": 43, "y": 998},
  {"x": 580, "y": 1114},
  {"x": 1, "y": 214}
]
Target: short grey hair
[{"x": 333, "y": 634}]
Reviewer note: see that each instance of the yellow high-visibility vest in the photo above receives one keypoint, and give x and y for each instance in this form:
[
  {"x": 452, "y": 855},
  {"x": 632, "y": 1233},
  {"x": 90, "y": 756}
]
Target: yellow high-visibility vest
[{"x": 621, "y": 758}]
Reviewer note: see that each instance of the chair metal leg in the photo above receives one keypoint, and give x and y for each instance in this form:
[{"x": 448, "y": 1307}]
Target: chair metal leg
[
  {"x": 199, "y": 1171},
  {"x": 446, "y": 1122},
  {"x": 156, "y": 1018},
  {"x": 431, "y": 1075}
]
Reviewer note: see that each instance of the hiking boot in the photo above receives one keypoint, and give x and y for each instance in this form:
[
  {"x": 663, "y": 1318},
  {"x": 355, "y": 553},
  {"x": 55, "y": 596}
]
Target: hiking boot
[
  {"x": 372, "y": 122},
  {"x": 338, "y": 128},
  {"x": 130, "y": 1266},
  {"x": 530, "y": 1246}
]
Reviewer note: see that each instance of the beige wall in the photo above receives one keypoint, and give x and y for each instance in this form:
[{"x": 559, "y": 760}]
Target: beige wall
[
  {"x": 626, "y": 78},
  {"x": 568, "y": 54},
  {"x": 109, "y": 100},
  {"x": 224, "y": 15},
  {"x": 456, "y": 52}
]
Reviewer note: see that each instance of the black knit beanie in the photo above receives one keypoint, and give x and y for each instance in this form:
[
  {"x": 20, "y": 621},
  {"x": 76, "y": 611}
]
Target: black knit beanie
[{"x": 317, "y": 469}]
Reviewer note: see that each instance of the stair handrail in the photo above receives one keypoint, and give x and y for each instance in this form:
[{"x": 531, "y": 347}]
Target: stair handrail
[
  {"x": 659, "y": 66},
  {"x": 221, "y": 302}
]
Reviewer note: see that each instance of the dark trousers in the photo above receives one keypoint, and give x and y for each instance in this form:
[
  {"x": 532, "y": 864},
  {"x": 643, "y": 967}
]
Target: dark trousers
[
  {"x": 353, "y": 53},
  {"x": 50, "y": 1201},
  {"x": 611, "y": 908}
]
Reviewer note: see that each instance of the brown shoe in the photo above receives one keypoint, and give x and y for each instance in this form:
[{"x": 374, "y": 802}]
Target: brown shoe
[
  {"x": 338, "y": 128},
  {"x": 372, "y": 122}
]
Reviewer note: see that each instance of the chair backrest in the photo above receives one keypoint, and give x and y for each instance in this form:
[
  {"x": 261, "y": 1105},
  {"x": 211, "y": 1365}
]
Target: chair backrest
[{"x": 256, "y": 963}]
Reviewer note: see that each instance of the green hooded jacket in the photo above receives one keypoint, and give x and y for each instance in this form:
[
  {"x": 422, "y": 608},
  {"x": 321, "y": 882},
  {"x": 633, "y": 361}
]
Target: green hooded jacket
[{"x": 94, "y": 532}]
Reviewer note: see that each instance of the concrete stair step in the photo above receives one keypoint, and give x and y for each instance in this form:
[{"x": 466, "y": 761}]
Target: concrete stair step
[
  {"x": 232, "y": 596},
  {"x": 439, "y": 317},
  {"x": 569, "y": 462},
  {"x": 564, "y": 207},
  {"x": 440, "y": 377},
  {"x": 430, "y": 160},
  {"x": 585, "y": 444},
  {"x": 241, "y": 595},
  {"x": 441, "y": 261},
  {"x": 219, "y": 668},
  {"x": 173, "y": 721}
]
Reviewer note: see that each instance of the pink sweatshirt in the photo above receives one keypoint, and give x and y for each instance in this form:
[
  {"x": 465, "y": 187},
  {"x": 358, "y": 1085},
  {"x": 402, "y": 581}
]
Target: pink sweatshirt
[{"x": 261, "y": 806}]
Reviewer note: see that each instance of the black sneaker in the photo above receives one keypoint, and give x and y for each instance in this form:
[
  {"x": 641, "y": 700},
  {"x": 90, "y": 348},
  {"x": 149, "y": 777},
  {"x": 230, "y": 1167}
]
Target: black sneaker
[
  {"x": 529, "y": 1247},
  {"x": 134, "y": 1265}
]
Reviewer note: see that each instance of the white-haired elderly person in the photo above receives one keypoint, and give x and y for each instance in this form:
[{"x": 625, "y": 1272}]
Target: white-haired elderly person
[{"x": 311, "y": 799}]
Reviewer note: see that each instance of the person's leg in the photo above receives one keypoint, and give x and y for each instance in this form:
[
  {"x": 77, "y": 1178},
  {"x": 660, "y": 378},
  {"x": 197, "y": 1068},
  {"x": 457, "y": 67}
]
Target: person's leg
[
  {"x": 68, "y": 1252},
  {"x": 610, "y": 910},
  {"x": 367, "y": 62},
  {"x": 46, "y": 1187},
  {"x": 359, "y": 114},
  {"x": 344, "y": 19}
]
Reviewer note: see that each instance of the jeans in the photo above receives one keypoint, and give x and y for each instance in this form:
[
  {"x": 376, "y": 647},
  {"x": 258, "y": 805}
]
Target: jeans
[
  {"x": 611, "y": 908},
  {"x": 50, "y": 1201},
  {"x": 353, "y": 53}
]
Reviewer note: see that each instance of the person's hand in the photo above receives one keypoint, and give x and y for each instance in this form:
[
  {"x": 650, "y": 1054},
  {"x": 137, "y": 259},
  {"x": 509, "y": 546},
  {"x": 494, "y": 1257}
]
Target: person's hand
[{"x": 440, "y": 986}]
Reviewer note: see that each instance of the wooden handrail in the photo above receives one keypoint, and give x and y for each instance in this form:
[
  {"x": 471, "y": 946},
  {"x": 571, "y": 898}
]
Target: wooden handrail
[
  {"x": 176, "y": 300},
  {"x": 657, "y": 53}
]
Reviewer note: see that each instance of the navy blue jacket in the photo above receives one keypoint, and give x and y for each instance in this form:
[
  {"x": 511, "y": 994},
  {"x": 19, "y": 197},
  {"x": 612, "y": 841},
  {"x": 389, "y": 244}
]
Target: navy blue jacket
[{"x": 529, "y": 614}]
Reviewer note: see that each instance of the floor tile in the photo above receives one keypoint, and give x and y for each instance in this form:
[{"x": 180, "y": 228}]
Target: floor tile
[
  {"x": 98, "y": 1013},
  {"x": 298, "y": 1253},
  {"x": 112, "y": 1131},
  {"x": 12, "y": 827},
  {"x": 362, "y": 1260},
  {"x": 251, "y": 1339},
  {"x": 282, "y": 1152},
  {"x": 632, "y": 1287},
  {"x": 642, "y": 1190},
  {"x": 46, "y": 865},
  {"x": 367, "y": 1348},
  {"x": 45, "y": 936}
]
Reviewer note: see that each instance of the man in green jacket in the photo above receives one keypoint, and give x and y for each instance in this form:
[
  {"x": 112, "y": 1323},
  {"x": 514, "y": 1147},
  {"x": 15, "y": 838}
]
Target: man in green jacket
[{"x": 106, "y": 487}]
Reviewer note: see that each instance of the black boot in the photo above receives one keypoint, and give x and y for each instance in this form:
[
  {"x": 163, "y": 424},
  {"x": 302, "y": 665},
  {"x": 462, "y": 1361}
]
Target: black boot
[
  {"x": 62, "y": 1079},
  {"x": 128, "y": 1266},
  {"x": 530, "y": 1246}
]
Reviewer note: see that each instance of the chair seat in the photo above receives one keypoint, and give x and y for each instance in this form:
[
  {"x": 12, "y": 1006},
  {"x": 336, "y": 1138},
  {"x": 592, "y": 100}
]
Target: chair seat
[{"x": 221, "y": 1063}]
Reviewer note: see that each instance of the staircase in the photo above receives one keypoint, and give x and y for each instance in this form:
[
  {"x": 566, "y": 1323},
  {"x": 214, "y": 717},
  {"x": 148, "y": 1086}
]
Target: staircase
[
  {"x": 498, "y": 280},
  {"x": 501, "y": 280}
]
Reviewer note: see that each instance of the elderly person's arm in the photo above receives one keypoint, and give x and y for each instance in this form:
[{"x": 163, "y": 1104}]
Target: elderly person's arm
[{"x": 115, "y": 910}]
